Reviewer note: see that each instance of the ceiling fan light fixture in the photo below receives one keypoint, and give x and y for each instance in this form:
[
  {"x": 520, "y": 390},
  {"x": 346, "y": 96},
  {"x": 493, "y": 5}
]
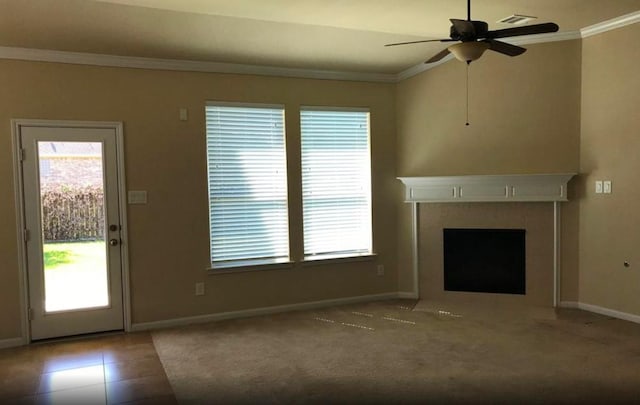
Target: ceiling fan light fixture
[{"x": 468, "y": 51}]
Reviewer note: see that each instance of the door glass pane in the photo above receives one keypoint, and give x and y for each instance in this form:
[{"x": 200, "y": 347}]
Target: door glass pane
[{"x": 73, "y": 225}]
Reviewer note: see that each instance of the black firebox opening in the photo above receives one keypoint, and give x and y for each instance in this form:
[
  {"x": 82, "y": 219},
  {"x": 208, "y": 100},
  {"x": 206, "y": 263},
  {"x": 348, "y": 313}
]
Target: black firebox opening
[{"x": 485, "y": 260}]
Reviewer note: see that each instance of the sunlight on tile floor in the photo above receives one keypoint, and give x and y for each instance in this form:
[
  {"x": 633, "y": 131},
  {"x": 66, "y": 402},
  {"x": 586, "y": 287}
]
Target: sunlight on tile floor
[{"x": 115, "y": 369}]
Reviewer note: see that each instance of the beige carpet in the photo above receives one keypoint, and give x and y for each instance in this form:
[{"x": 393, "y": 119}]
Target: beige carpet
[
  {"x": 486, "y": 310},
  {"x": 386, "y": 352}
]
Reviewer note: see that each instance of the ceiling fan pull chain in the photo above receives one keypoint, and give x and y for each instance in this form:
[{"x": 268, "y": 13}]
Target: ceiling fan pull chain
[{"x": 468, "y": 63}]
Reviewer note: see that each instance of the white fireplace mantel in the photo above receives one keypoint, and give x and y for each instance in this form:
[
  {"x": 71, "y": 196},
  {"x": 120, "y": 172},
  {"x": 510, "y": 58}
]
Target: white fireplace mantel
[{"x": 490, "y": 188}]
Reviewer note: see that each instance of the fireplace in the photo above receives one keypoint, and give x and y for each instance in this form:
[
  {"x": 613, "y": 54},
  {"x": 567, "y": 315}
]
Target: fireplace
[
  {"x": 529, "y": 204},
  {"x": 485, "y": 260}
]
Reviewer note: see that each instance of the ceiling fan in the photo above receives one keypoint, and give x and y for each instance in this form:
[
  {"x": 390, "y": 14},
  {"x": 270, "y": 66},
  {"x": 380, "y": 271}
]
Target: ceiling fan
[{"x": 474, "y": 38}]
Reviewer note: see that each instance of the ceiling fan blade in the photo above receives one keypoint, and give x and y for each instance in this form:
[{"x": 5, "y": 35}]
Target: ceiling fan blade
[
  {"x": 464, "y": 28},
  {"x": 419, "y": 42},
  {"x": 439, "y": 56},
  {"x": 525, "y": 30},
  {"x": 505, "y": 48}
]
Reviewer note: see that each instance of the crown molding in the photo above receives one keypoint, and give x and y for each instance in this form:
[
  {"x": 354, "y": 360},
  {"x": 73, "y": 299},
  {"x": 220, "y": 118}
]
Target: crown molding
[
  {"x": 133, "y": 62},
  {"x": 609, "y": 25},
  {"x": 80, "y": 58},
  {"x": 542, "y": 38},
  {"x": 422, "y": 67}
]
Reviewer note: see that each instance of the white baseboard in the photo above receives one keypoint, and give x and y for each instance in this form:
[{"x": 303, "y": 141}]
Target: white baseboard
[
  {"x": 14, "y": 342},
  {"x": 408, "y": 295},
  {"x": 609, "y": 312},
  {"x": 569, "y": 304},
  {"x": 601, "y": 310},
  {"x": 260, "y": 311}
]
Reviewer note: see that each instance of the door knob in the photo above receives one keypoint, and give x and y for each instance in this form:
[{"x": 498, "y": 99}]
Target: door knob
[{"x": 113, "y": 242}]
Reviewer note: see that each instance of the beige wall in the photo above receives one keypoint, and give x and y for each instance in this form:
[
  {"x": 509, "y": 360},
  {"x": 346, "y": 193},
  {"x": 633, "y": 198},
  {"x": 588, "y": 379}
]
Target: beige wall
[
  {"x": 524, "y": 114},
  {"x": 610, "y": 150},
  {"x": 168, "y": 237},
  {"x": 524, "y": 117}
]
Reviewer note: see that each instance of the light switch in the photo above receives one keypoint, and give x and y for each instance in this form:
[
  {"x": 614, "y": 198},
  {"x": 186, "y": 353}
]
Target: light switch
[
  {"x": 137, "y": 197},
  {"x": 183, "y": 114},
  {"x": 598, "y": 187},
  {"x": 606, "y": 186}
]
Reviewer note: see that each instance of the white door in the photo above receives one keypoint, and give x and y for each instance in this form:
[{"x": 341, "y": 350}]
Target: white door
[{"x": 72, "y": 236}]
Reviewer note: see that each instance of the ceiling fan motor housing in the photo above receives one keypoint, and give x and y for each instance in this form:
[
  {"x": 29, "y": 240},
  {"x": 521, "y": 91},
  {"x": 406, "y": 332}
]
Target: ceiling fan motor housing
[
  {"x": 467, "y": 31},
  {"x": 481, "y": 28}
]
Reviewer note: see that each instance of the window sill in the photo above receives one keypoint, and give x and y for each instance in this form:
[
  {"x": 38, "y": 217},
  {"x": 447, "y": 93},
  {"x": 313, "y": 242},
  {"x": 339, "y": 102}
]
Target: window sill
[
  {"x": 250, "y": 265},
  {"x": 329, "y": 259},
  {"x": 265, "y": 265}
]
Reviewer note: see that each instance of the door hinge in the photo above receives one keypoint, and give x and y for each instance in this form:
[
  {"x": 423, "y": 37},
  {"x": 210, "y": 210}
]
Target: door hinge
[
  {"x": 30, "y": 314},
  {"x": 23, "y": 154},
  {"x": 26, "y": 235}
]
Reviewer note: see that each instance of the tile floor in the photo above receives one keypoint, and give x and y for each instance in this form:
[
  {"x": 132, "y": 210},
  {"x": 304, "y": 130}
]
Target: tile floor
[{"x": 114, "y": 369}]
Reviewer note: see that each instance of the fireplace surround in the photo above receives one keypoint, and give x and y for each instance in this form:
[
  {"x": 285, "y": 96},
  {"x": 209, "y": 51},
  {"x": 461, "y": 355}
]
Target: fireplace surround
[{"x": 529, "y": 202}]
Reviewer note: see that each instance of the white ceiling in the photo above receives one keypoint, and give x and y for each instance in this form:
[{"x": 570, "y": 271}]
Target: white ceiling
[{"x": 339, "y": 35}]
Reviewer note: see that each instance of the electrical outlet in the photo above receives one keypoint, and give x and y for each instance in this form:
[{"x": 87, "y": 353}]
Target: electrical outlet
[
  {"x": 606, "y": 186},
  {"x": 199, "y": 288},
  {"x": 381, "y": 269}
]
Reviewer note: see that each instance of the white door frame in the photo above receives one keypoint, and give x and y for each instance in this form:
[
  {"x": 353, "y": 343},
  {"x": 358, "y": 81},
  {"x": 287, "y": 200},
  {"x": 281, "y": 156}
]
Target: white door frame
[{"x": 16, "y": 125}]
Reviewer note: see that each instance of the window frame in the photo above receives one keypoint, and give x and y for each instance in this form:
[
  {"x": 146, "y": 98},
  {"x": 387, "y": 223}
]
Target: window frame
[
  {"x": 347, "y": 256},
  {"x": 233, "y": 266}
]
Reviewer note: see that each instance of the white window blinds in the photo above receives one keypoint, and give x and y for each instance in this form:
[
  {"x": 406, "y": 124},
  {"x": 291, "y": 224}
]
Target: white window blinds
[
  {"x": 247, "y": 185},
  {"x": 336, "y": 182}
]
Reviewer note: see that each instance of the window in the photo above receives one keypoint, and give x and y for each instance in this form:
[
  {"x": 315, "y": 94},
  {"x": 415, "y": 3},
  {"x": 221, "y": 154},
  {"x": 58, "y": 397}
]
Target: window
[
  {"x": 336, "y": 182},
  {"x": 246, "y": 164}
]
